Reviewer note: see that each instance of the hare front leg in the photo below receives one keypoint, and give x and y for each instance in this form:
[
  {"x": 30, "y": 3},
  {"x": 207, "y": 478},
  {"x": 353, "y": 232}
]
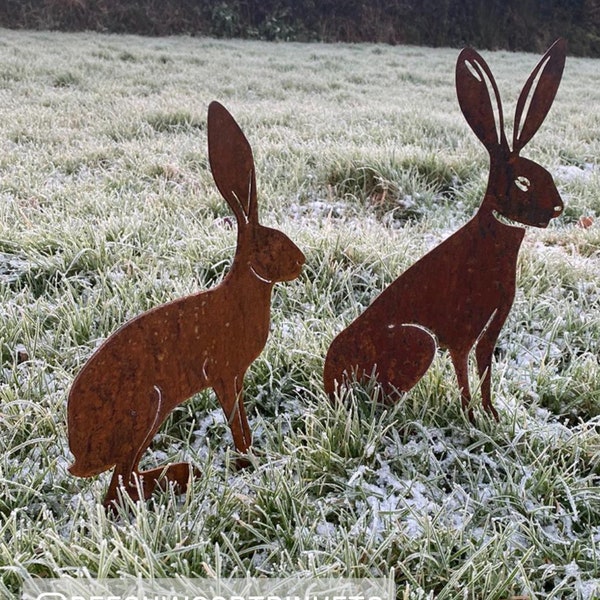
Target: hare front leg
[
  {"x": 460, "y": 360},
  {"x": 230, "y": 395},
  {"x": 483, "y": 354}
]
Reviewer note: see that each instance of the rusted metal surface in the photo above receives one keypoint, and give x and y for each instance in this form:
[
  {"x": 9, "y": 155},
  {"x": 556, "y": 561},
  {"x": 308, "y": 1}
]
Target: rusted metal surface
[
  {"x": 206, "y": 340},
  {"x": 459, "y": 294}
]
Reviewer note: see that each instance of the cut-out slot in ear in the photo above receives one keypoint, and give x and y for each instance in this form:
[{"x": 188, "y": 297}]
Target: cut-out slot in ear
[
  {"x": 538, "y": 94},
  {"x": 524, "y": 104},
  {"x": 480, "y": 75},
  {"x": 232, "y": 163},
  {"x": 482, "y": 109}
]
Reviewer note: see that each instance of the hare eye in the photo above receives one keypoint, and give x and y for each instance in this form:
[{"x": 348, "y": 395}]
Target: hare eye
[{"x": 523, "y": 183}]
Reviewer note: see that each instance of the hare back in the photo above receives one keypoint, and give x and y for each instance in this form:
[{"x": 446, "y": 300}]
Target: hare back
[{"x": 179, "y": 347}]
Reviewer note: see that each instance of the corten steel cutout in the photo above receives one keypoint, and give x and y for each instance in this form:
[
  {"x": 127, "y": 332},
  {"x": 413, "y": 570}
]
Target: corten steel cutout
[
  {"x": 208, "y": 339},
  {"x": 459, "y": 294}
]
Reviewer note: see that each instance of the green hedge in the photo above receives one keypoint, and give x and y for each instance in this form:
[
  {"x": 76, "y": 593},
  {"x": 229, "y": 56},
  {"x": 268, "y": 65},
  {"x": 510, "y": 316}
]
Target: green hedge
[{"x": 528, "y": 25}]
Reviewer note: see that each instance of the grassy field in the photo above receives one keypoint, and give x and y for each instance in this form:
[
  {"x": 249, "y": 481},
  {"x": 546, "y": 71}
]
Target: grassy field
[{"x": 107, "y": 208}]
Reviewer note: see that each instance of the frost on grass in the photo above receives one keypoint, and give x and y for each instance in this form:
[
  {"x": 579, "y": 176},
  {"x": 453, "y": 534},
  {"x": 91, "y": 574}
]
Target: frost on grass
[
  {"x": 569, "y": 173},
  {"x": 104, "y": 215}
]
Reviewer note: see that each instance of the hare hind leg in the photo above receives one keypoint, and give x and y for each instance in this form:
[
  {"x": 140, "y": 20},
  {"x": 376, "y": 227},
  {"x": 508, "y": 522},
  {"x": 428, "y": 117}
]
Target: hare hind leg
[
  {"x": 396, "y": 355},
  {"x": 141, "y": 484},
  {"x": 406, "y": 352},
  {"x": 131, "y": 481},
  {"x": 126, "y": 471},
  {"x": 125, "y": 477},
  {"x": 122, "y": 478},
  {"x": 231, "y": 399},
  {"x": 460, "y": 360},
  {"x": 176, "y": 473}
]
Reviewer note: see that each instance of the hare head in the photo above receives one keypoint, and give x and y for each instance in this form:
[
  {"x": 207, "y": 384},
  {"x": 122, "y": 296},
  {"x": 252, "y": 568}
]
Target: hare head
[
  {"x": 518, "y": 189},
  {"x": 268, "y": 253}
]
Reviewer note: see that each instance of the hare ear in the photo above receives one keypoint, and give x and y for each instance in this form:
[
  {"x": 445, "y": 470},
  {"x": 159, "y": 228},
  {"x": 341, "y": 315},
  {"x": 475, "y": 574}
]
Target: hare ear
[
  {"x": 231, "y": 163},
  {"x": 544, "y": 80},
  {"x": 474, "y": 81}
]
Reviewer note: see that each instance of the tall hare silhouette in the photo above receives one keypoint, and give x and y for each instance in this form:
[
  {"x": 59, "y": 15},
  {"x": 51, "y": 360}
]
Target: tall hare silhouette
[
  {"x": 162, "y": 357},
  {"x": 459, "y": 294}
]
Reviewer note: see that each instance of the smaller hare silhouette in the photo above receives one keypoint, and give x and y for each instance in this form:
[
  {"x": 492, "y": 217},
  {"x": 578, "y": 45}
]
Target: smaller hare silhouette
[
  {"x": 459, "y": 294},
  {"x": 208, "y": 339}
]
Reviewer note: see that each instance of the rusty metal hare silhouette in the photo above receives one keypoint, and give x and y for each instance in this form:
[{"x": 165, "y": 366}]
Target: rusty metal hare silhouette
[
  {"x": 206, "y": 340},
  {"x": 459, "y": 294}
]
